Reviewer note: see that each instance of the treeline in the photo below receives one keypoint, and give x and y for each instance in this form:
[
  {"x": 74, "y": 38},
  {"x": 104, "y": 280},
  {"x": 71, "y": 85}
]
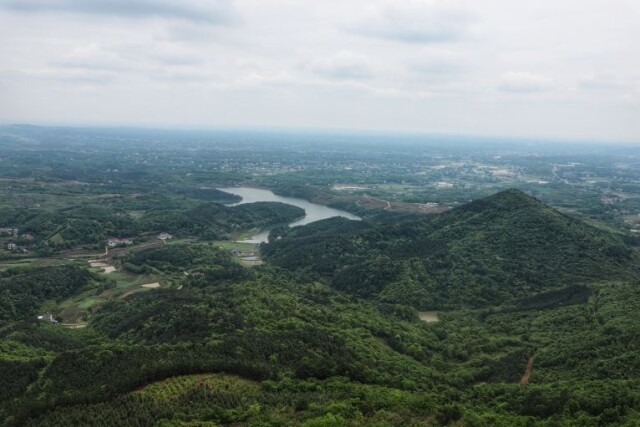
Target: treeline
[
  {"x": 208, "y": 194},
  {"x": 203, "y": 262},
  {"x": 92, "y": 224},
  {"x": 216, "y": 221},
  {"x": 229, "y": 400}
]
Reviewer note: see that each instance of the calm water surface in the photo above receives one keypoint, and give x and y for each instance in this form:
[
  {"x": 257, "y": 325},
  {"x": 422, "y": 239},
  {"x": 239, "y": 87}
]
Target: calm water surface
[{"x": 314, "y": 212}]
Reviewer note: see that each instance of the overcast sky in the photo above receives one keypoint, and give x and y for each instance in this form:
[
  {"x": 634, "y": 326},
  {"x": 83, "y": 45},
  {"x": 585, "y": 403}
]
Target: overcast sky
[{"x": 544, "y": 68}]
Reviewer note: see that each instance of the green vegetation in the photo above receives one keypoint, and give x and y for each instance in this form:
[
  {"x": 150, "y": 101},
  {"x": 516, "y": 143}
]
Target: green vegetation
[
  {"x": 93, "y": 224},
  {"x": 214, "y": 221},
  {"x": 488, "y": 252},
  {"x": 22, "y": 291},
  {"x": 536, "y": 307},
  {"x": 180, "y": 257},
  {"x": 304, "y": 352}
]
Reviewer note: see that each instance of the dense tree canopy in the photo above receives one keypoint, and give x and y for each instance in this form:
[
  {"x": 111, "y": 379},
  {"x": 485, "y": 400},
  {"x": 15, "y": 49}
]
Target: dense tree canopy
[
  {"x": 536, "y": 325},
  {"x": 487, "y": 252}
]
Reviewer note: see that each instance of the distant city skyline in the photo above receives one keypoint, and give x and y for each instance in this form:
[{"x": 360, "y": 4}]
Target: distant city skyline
[{"x": 543, "y": 70}]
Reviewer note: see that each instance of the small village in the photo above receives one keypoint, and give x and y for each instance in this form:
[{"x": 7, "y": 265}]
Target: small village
[{"x": 16, "y": 242}]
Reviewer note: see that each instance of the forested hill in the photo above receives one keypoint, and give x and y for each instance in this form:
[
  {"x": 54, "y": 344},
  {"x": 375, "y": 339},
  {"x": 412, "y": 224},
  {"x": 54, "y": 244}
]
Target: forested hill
[
  {"x": 215, "y": 220},
  {"x": 491, "y": 251},
  {"x": 22, "y": 291}
]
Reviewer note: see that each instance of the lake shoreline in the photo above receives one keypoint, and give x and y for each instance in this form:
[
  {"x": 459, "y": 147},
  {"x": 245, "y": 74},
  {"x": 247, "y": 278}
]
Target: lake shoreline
[{"x": 313, "y": 211}]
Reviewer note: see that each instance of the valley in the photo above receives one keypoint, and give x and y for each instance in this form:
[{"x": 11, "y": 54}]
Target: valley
[{"x": 168, "y": 279}]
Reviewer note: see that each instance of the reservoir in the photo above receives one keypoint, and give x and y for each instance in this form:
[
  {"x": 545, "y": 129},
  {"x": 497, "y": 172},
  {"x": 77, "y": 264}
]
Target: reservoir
[{"x": 314, "y": 212}]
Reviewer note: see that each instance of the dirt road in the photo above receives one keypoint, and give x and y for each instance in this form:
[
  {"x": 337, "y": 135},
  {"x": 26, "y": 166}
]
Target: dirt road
[{"x": 527, "y": 372}]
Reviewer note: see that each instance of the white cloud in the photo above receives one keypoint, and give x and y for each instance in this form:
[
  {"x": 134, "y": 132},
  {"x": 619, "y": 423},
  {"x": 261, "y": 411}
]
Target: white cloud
[
  {"x": 67, "y": 76},
  {"x": 601, "y": 82},
  {"x": 514, "y": 81},
  {"x": 343, "y": 66},
  {"x": 440, "y": 64},
  {"x": 213, "y": 11},
  {"x": 92, "y": 57},
  {"x": 413, "y": 21}
]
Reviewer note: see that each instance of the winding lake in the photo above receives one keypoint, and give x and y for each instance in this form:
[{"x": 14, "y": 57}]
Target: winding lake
[{"x": 314, "y": 212}]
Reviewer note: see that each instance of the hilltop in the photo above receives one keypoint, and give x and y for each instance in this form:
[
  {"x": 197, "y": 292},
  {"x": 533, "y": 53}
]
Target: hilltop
[{"x": 490, "y": 251}]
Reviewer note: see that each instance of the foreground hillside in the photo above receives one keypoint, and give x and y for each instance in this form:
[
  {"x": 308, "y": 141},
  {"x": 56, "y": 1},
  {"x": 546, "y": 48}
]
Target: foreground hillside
[
  {"x": 491, "y": 251},
  {"x": 270, "y": 351},
  {"x": 536, "y": 327}
]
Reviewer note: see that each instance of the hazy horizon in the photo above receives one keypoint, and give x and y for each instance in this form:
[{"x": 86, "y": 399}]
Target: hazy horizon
[
  {"x": 376, "y": 135},
  {"x": 549, "y": 70}
]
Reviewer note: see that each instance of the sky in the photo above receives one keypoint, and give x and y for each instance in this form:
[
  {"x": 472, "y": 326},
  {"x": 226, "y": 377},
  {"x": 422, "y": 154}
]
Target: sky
[{"x": 516, "y": 68}]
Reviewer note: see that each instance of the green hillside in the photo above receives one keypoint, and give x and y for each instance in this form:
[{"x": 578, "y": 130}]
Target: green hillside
[
  {"x": 491, "y": 251},
  {"x": 215, "y": 221},
  {"x": 536, "y": 326},
  {"x": 273, "y": 350}
]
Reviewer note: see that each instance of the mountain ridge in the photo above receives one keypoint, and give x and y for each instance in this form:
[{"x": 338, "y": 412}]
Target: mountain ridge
[{"x": 492, "y": 250}]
